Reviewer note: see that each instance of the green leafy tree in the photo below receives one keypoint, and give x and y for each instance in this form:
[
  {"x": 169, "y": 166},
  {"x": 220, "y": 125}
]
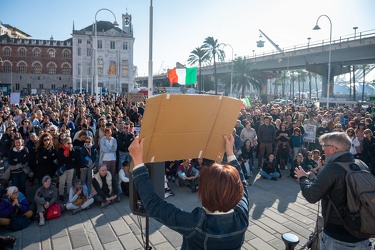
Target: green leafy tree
[
  {"x": 244, "y": 77},
  {"x": 212, "y": 48},
  {"x": 199, "y": 56}
]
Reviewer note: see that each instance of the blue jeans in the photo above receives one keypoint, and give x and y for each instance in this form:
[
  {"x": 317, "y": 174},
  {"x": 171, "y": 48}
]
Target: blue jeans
[
  {"x": 269, "y": 176},
  {"x": 329, "y": 243},
  {"x": 19, "y": 180}
]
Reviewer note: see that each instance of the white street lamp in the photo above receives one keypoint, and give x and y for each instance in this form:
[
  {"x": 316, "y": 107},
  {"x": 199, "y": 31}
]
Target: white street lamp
[
  {"x": 231, "y": 71},
  {"x": 96, "y": 49},
  {"x": 329, "y": 54}
]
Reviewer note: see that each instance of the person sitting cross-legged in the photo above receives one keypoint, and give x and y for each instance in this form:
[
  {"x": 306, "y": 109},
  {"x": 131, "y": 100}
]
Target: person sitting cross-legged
[
  {"x": 270, "y": 168},
  {"x": 79, "y": 197},
  {"x": 103, "y": 188},
  {"x": 14, "y": 203},
  {"x": 188, "y": 175}
]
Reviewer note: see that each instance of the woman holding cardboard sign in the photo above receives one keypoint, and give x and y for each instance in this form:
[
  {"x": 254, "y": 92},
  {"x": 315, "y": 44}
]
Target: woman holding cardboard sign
[{"x": 221, "y": 223}]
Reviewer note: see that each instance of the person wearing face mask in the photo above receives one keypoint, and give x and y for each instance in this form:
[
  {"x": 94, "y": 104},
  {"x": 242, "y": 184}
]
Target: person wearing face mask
[{"x": 88, "y": 155}]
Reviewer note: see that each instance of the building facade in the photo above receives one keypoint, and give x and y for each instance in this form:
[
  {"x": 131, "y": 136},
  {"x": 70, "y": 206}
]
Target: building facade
[
  {"x": 114, "y": 58},
  {"x": 36, "y": 66}
]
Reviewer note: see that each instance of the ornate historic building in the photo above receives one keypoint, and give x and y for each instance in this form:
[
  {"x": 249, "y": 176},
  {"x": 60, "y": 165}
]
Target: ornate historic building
[
  {"x": 30, "y": 65},
  {"x": 114, "y": 56}
]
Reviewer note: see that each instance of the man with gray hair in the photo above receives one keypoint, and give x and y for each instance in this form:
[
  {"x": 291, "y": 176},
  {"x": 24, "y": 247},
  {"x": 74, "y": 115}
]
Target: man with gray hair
[{"x": 330, "y": 182}]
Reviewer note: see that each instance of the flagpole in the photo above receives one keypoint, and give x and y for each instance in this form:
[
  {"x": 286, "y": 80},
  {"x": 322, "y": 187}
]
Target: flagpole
[{"x": 150, "y": 76}]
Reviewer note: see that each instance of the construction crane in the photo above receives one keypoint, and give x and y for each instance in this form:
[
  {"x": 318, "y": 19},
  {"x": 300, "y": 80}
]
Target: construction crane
[{"x": 270, "y": 40}]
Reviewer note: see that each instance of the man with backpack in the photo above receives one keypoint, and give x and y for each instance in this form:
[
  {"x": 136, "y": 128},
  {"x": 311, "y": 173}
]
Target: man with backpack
[{"x": 333, "y": 186}]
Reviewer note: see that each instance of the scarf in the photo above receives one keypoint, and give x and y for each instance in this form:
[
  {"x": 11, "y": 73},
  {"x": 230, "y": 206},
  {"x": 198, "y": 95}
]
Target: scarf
[{"x": 66, "y": 150}]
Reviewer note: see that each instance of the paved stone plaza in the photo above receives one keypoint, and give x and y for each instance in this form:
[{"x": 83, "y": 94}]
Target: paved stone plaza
[{"x": 276, "y": 207}]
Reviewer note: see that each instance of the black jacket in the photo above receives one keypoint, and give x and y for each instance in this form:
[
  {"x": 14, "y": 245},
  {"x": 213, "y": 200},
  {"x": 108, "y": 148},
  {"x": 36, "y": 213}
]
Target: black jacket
[
  {"x": 124, "y": 140},
  {"x": 330, "y": 181}
]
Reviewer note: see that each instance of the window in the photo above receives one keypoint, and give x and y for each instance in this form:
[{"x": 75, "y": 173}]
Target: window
[
  {"x": 7, "y": 68},
  {"x": 53, "y": 86},
  {"x": 88, "y": 70},
  {"x": 17, "y": 86},
  {"x": 125, "y": 68},
  {"x": 79, "y": 41},
  {"x": 51, "y": 53},
  {"x": 36, "y": 52},
  {"x": 37, "y": 68},
  {"x": 66, "y": 54},
  {"x": 79, "y": 69},
  {"x": 51, "y": 68},
  {"x": 88, "y": 51},
  {"x": 125, "y": 45},
  {"x": 66, "y": 69},
  {"x": 41, "y": 85},
  {"x": 22, "y": 68},
  {"x": 65, "y": 86},
  {"x": 88, "y": 41},
  {"x": 28, "y": 85},
  {"x": 100, "y": 44},
  {"x": 22, "y": 52},
  {"x": 113, "y": 45},
  {"x": 79, "y": 52},
  {"x": 100, "y": 66},
  {"x": 7, "y": 52}
]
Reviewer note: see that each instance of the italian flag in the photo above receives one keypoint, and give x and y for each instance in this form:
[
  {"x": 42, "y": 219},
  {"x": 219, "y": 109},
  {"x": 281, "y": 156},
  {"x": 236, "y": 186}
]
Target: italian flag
[
  {"x": 246, "y": 103},
  {"x": 183, "y": 76}
]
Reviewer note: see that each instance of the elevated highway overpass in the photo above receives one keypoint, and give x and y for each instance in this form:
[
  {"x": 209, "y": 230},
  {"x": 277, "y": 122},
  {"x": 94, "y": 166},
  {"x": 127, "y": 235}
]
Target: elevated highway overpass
[{"x": 345, "y": 52}]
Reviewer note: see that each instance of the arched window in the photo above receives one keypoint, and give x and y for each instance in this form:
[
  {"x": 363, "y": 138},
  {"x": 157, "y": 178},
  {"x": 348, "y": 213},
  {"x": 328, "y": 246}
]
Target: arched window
[
  {"x": 36, "y": 52},
  {"x": 22, "y": 68},
  {"x": 7, "y": 51},
  {"x": 22, "y": 52},
  {"x": 51, "y": 53},
  {"x": 51, "y": 68},
  {"x": 66, "y": 69},
  {"x": 37, "y": 68},
  {"x": 66, "y": 53}
]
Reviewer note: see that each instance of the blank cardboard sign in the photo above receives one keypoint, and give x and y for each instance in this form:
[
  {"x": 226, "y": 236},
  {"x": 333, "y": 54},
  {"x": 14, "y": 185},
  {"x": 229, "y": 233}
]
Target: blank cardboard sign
[{"x": 179, "y": 127}]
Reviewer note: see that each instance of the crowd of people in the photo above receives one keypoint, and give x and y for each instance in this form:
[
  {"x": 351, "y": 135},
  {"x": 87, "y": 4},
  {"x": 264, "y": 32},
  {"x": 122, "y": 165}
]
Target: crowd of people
[{"x": 80, "y": 143}]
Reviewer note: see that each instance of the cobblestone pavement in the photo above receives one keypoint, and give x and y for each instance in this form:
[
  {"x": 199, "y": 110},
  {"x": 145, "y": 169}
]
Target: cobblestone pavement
[{"x": 277, "y": 207}]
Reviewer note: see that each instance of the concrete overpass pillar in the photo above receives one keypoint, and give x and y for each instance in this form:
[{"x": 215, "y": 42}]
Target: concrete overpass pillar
[{"x": 322, "y": 70}]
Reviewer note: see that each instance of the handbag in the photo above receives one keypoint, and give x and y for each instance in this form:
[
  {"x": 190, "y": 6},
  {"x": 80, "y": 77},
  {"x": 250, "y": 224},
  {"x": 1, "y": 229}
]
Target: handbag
[
  {"x": 80, "y": 200},
  {"x": 313, "y": 242},
  {"x": 53, "y": 211},
  {"x": 18, "y": 222}
]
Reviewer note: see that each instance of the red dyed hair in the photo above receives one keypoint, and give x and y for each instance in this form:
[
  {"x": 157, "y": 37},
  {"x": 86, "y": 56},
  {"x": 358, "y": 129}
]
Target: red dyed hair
[{"x": 220, "y": 187}]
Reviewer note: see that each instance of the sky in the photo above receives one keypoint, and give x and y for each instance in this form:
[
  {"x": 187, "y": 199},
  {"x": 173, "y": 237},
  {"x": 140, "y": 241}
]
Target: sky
[{"x": 181, "y": 26}]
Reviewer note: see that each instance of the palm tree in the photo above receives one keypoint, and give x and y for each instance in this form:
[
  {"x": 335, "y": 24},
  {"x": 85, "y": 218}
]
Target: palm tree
[
  {"x": 244, "y": 77},
  {"x": 212, "y": 47},
  {"x": 198, "y": 55},
  {"x": 293, "y": 78}
]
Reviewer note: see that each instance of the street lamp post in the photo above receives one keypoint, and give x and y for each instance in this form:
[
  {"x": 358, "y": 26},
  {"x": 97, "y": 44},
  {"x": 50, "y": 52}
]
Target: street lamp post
[
  {"x": 231, "y": 71},
  {"x": 329, "y": 54},
  {"x": 96, "y": 49}
]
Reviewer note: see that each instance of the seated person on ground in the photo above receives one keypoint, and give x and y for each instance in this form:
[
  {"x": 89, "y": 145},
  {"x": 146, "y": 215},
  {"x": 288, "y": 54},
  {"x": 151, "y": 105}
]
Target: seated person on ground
[
  {"x": 124, "y": 175},
  {"x": 104, "y": 189},
  {"x": 270, "y": 169},
  {"x": 79, "y": 197},
  {"x": 14, "y": 203},
  {"x": 45, "y": 196},
  {"x": 188, "y": 175}
]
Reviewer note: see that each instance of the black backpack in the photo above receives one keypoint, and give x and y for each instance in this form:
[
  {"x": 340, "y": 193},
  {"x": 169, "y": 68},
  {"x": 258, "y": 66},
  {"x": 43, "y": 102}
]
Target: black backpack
[{"x": 359, "y": 217}]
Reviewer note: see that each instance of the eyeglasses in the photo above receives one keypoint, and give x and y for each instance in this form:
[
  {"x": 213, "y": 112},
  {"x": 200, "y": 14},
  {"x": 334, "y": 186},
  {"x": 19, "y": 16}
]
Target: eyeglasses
[
  {"x": 328, "y": 145},
  {"x": 47, "y": 139}
]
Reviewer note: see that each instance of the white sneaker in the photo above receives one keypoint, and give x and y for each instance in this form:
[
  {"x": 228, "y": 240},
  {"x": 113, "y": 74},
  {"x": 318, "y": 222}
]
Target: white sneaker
[{"x": 41, "y": 221}]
